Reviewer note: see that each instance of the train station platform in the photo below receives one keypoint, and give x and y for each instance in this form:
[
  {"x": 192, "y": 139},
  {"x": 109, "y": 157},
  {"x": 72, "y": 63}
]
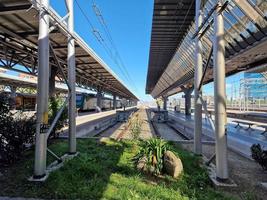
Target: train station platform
[
  {"x": 253, "y": 115},
  {"x": 239, "y": 139},
  {"x": 89, "y": 122}
]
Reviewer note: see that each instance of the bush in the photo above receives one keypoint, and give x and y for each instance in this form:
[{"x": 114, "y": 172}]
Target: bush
[
  {"x": 54, "y": 106},
  {"x": 153, "y": 151},
  {"x": 16, "y": 132},
  {"x": 259, "y": 155}
]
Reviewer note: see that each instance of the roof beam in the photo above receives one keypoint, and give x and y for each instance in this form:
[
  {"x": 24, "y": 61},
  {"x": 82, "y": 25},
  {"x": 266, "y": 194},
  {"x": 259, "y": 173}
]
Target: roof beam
[
  {"x": 33, "y": 33},
  {"x": 87, "y": 63},
  {"x": 13, "y": 9}
]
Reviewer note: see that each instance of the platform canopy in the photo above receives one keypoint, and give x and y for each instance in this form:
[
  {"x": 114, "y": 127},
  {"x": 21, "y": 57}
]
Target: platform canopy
[
  {"x": 19, "y": 48},
  {"x": 172, "y": 48},
  {"x": 171, "y": 20}
]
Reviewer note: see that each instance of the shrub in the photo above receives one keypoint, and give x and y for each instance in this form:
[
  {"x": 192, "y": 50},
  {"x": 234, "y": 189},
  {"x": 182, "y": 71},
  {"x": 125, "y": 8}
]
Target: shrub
[
  {"x": 153, "y": 151},
  {"x": 259, "y": 155},
  {"x": 16, "y": 132},
  {"x": 54, "y": 106}
]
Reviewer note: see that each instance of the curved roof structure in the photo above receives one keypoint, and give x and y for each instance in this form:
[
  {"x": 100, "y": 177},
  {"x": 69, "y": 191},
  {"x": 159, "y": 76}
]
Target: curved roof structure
[
  {"x": 245, "y": 25},
  {"x": 19, "y": 44},
  {"x": 171, "y": 20}
]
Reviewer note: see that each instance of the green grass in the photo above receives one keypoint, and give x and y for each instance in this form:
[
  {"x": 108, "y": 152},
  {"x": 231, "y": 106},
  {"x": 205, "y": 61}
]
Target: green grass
[{"x": 107, "y": 172}]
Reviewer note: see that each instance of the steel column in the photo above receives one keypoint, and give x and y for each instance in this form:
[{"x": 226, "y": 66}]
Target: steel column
[
  {"x": 13, "y": 97},
  {"x": 52, "y": 82},
  {"x": 114, "y": 101},
  {"x": 187, "y": 97},
  {"x": 42, "y": 93},
  {"x": 198, "y": 75},
  {"x": 219, "y": 96},
  {"x": 165, "y": 100},
  {"x": 99, "y": 98},
  {"x": 71, "y": 78}
]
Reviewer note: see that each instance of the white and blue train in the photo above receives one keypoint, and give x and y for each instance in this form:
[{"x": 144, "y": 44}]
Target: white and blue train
[{"x": 88, "y": 102}]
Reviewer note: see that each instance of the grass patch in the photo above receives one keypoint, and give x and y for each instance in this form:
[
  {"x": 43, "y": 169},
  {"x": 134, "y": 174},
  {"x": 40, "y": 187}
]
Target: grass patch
[{"x": 107, "y": 172}]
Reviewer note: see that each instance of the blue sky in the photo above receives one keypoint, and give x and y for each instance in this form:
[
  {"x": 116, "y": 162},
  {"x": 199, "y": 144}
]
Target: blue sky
[{"x": 129, "y": 23}]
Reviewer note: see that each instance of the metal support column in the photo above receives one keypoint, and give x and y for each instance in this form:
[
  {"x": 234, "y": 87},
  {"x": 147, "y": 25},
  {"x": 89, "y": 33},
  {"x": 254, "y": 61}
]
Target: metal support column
[
  {"x": 197, "y": 76},
  {"x": 99, "y": 98},
  {"x": 52, "y": 81},
  {"x": 71, "y": 77},
  {"x": 165, "y": 100},
  {"x": 42, "y": 93},
  {"x": 13, "y": 97},
  {"x": 187, "y": 97},
  {"x": 114, "y": 101},
  {"x": 219, "y": 96}
]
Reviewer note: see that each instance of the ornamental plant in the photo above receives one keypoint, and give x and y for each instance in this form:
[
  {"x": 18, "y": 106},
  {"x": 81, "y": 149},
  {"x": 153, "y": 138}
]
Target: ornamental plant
[
  {"x": 152, "y": 151},
  {"x": 54, "y": 106}
]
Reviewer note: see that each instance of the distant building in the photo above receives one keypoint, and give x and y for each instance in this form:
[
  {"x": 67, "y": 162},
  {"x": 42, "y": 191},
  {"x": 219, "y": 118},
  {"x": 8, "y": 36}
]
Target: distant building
[{"x": 253, "y": 86}]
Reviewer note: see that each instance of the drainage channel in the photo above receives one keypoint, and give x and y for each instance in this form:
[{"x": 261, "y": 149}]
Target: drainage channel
[
  {"x": 167, "y": 132},
  {"x": 185, "y": 137}
]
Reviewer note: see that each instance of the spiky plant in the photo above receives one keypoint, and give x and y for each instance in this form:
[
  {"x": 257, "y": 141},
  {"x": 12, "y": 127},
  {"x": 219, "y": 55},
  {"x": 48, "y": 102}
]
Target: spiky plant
[{"x": 153, "y": 151}]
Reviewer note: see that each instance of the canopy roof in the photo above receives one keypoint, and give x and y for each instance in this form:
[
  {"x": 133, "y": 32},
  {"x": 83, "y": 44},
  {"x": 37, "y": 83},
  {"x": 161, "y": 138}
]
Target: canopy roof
[
  {"x": 19, "y": 44},
  {"x": 245, "y": 25},
  {"x": 171, "y": 20}
]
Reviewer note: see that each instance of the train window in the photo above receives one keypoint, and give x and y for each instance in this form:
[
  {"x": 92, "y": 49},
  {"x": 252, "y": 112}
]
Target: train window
[{"x": 78, "y": 97}]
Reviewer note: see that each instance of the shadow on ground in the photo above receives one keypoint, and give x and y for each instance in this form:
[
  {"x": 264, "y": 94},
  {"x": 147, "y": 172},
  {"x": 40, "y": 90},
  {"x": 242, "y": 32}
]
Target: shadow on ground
[
  {"x": 106, "y": 171},
  {"x": 84, "y": 177}
]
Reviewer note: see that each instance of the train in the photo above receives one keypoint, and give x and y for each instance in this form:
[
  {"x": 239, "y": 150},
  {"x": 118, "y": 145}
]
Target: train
[
  {"x": 84, "y": 102},
  {"x": 25, "y": 102},
  {"x": 88, "y": 102}
]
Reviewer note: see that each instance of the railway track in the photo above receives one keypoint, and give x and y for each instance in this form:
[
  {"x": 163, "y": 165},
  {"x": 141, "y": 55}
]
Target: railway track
[{"x": 162, "y": 130}]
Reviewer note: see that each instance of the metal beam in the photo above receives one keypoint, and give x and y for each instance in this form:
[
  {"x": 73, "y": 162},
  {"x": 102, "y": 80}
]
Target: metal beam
[{"x": 13, "y": 9}]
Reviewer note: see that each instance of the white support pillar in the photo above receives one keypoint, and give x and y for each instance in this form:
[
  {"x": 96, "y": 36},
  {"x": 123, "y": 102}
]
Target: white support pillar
[
  {"x": 71, "y": 79},
  {"x": 219, "y": 96},
  {"x": 197, "y": 76},
  {"x": 42, "y": 93}
]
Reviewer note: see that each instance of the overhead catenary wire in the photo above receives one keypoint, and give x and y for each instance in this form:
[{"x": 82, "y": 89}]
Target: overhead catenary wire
[
  {"x": 96, "y": 32},
  {"x": 101, "y": 40},
  {"x": 118, "y": 60}
]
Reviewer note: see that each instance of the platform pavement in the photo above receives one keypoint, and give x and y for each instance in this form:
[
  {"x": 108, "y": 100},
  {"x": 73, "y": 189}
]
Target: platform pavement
[{"x": 239, "y": 139}]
